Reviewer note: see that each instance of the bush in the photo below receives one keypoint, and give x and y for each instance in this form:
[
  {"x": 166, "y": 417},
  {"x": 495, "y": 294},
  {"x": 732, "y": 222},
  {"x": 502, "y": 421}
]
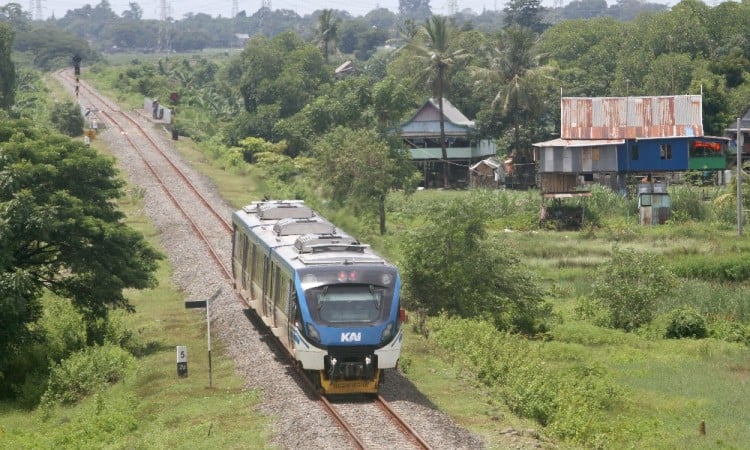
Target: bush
[
  {"x": 730, "y": 331},
  {"x": 67, "y": 118},
  {"x": 630, "y": 286},
  {"x": 85, "y": 372},
  {"x": 688, "y": 204},
  {"x": 64, "y": 329},
  {"x": 117, "y": 332},
  {"x": 451, "y": 265},
  {"x": 686, "y": 323}
]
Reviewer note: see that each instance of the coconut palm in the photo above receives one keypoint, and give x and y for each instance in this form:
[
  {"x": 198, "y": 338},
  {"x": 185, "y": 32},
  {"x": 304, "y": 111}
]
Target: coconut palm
[
  {"x": 327, "y": 32},
  {"x": 513, "y": 67},
  {"x": 436, "y": 57}
]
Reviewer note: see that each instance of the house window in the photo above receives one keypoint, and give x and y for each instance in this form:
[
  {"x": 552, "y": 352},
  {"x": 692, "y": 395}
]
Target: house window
[
  {"x": 701, "y": 149},
  {"x": 665, "y": 151},
  {"x": 634, "y": 152}
]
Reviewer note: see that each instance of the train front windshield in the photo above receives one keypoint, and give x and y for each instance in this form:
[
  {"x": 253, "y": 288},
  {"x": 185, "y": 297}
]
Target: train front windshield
[{"x": 353, "y": 297}]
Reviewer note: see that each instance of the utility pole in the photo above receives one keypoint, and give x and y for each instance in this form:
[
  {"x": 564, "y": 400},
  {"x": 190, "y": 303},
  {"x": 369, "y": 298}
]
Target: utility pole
[{"x": 740, "y": 144}]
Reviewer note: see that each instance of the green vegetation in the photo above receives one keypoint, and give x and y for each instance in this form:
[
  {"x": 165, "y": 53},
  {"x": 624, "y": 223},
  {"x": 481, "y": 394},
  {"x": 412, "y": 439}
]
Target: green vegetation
[
  {"x": 451, "y": 266},
  {"x": 632, "y": 335},
  {"x": 579, "y": 384},
  {"x": 7, "y": 68},
  {"x": 67, "y": 119},
  {"x": 61, "y": 234},
  {"x": 148, "y": 406}
]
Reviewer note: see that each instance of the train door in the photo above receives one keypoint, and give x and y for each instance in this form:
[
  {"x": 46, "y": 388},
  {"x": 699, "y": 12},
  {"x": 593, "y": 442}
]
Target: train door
[
  {"x": 275, "y": 292},
  {"x": 268, "y": 298},
  {"x": 294, "y": 317},
  {"x": 256, "y": 286},
  {"x": 282, "y": 300},
  {"x": 237, "y": 256}
]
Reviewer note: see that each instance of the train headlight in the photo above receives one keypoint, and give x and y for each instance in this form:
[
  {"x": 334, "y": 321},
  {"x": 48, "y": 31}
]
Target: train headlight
[
  {"x": 386, "y": 279},
  {"x": 309, "y": 279},
  {"x": 312, "y": 333},
  {"x": 387, "y": 332}
]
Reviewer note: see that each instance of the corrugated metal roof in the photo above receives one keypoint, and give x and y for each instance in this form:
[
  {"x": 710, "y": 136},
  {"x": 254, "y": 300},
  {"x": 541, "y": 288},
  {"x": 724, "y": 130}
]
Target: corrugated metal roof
[
  {"x": 491, "y": 162},
  {"x": 631, "y": 117},
  {"x": 579, "y": 142}
]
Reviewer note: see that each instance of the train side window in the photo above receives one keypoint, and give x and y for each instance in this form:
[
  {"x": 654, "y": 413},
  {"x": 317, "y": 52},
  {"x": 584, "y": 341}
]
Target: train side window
[
  {"x": 276, "y": 285},
  {"x": 284, "y": 288},
  {"x": 238, "y": 244},
  {"x": 258, "y": 270},
  {"x": 245, "y": 267},
  {"x": 250, "y": 263}
]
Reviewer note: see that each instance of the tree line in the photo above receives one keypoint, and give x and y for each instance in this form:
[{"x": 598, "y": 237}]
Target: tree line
[{"x": 109, "y": 31}]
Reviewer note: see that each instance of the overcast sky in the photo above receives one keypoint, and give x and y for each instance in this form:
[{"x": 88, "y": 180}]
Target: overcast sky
[{"x": 223, "y": 8}]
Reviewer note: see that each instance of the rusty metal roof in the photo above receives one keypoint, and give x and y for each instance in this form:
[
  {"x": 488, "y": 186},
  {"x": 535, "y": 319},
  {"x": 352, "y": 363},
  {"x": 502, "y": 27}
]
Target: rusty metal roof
[{"x": 631, "y": 117}]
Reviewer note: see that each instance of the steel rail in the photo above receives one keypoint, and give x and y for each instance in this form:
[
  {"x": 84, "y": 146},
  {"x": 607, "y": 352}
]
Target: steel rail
[{"x": 406, "y": 428}]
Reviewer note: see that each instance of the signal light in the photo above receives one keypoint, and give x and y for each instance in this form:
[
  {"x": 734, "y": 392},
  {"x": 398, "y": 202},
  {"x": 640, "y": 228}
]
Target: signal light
[{"x": 347, "y": 276}]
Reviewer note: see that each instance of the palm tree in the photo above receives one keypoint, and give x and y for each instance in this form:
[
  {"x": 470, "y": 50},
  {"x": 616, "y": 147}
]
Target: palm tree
[
  {"x": 436, "y": 58},
  {"x": 513, "y": 66},
  {"x": 327, "y": 31}
]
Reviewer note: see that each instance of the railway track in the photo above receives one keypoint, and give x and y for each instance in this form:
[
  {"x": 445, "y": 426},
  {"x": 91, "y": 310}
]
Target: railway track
[{"x": 368, "y": 422}]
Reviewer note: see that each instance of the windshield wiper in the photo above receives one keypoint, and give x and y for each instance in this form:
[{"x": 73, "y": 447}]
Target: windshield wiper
[
  {"x": 320, "y": 302},
  {"x": 375, "y": 298}
]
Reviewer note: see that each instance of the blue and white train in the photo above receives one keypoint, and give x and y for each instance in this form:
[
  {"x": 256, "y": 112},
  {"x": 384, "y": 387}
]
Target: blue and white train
[{"x": 331, "y": 301}]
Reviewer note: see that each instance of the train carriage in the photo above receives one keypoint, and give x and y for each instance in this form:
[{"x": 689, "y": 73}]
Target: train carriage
[{"x": 330, "y": 300}]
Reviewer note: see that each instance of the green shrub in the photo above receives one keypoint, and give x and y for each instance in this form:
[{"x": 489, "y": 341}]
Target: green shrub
[
  {"x": 85, "y": 372},
  {"x": 104, "y": 419},
  {"x": 730, "y": 331},
  {"x": 119, "y": 333},
  {"x": 686, "y": 323},
  {"x": 32, "y": 389},
  {"x": 593, "y": 311},
  {"x": 67, "y": 119},
  {"x": 630, "y": 286},
  {"x": 688, "y": 204},
  {"x": 64, "y": 328},
  {"x": 451, "y": 265},
  {"x": 604, "y": 202}
]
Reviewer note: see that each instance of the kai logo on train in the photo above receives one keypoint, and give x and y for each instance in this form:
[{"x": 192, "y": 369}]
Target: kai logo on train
[{"x": 351, "y": 337}]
